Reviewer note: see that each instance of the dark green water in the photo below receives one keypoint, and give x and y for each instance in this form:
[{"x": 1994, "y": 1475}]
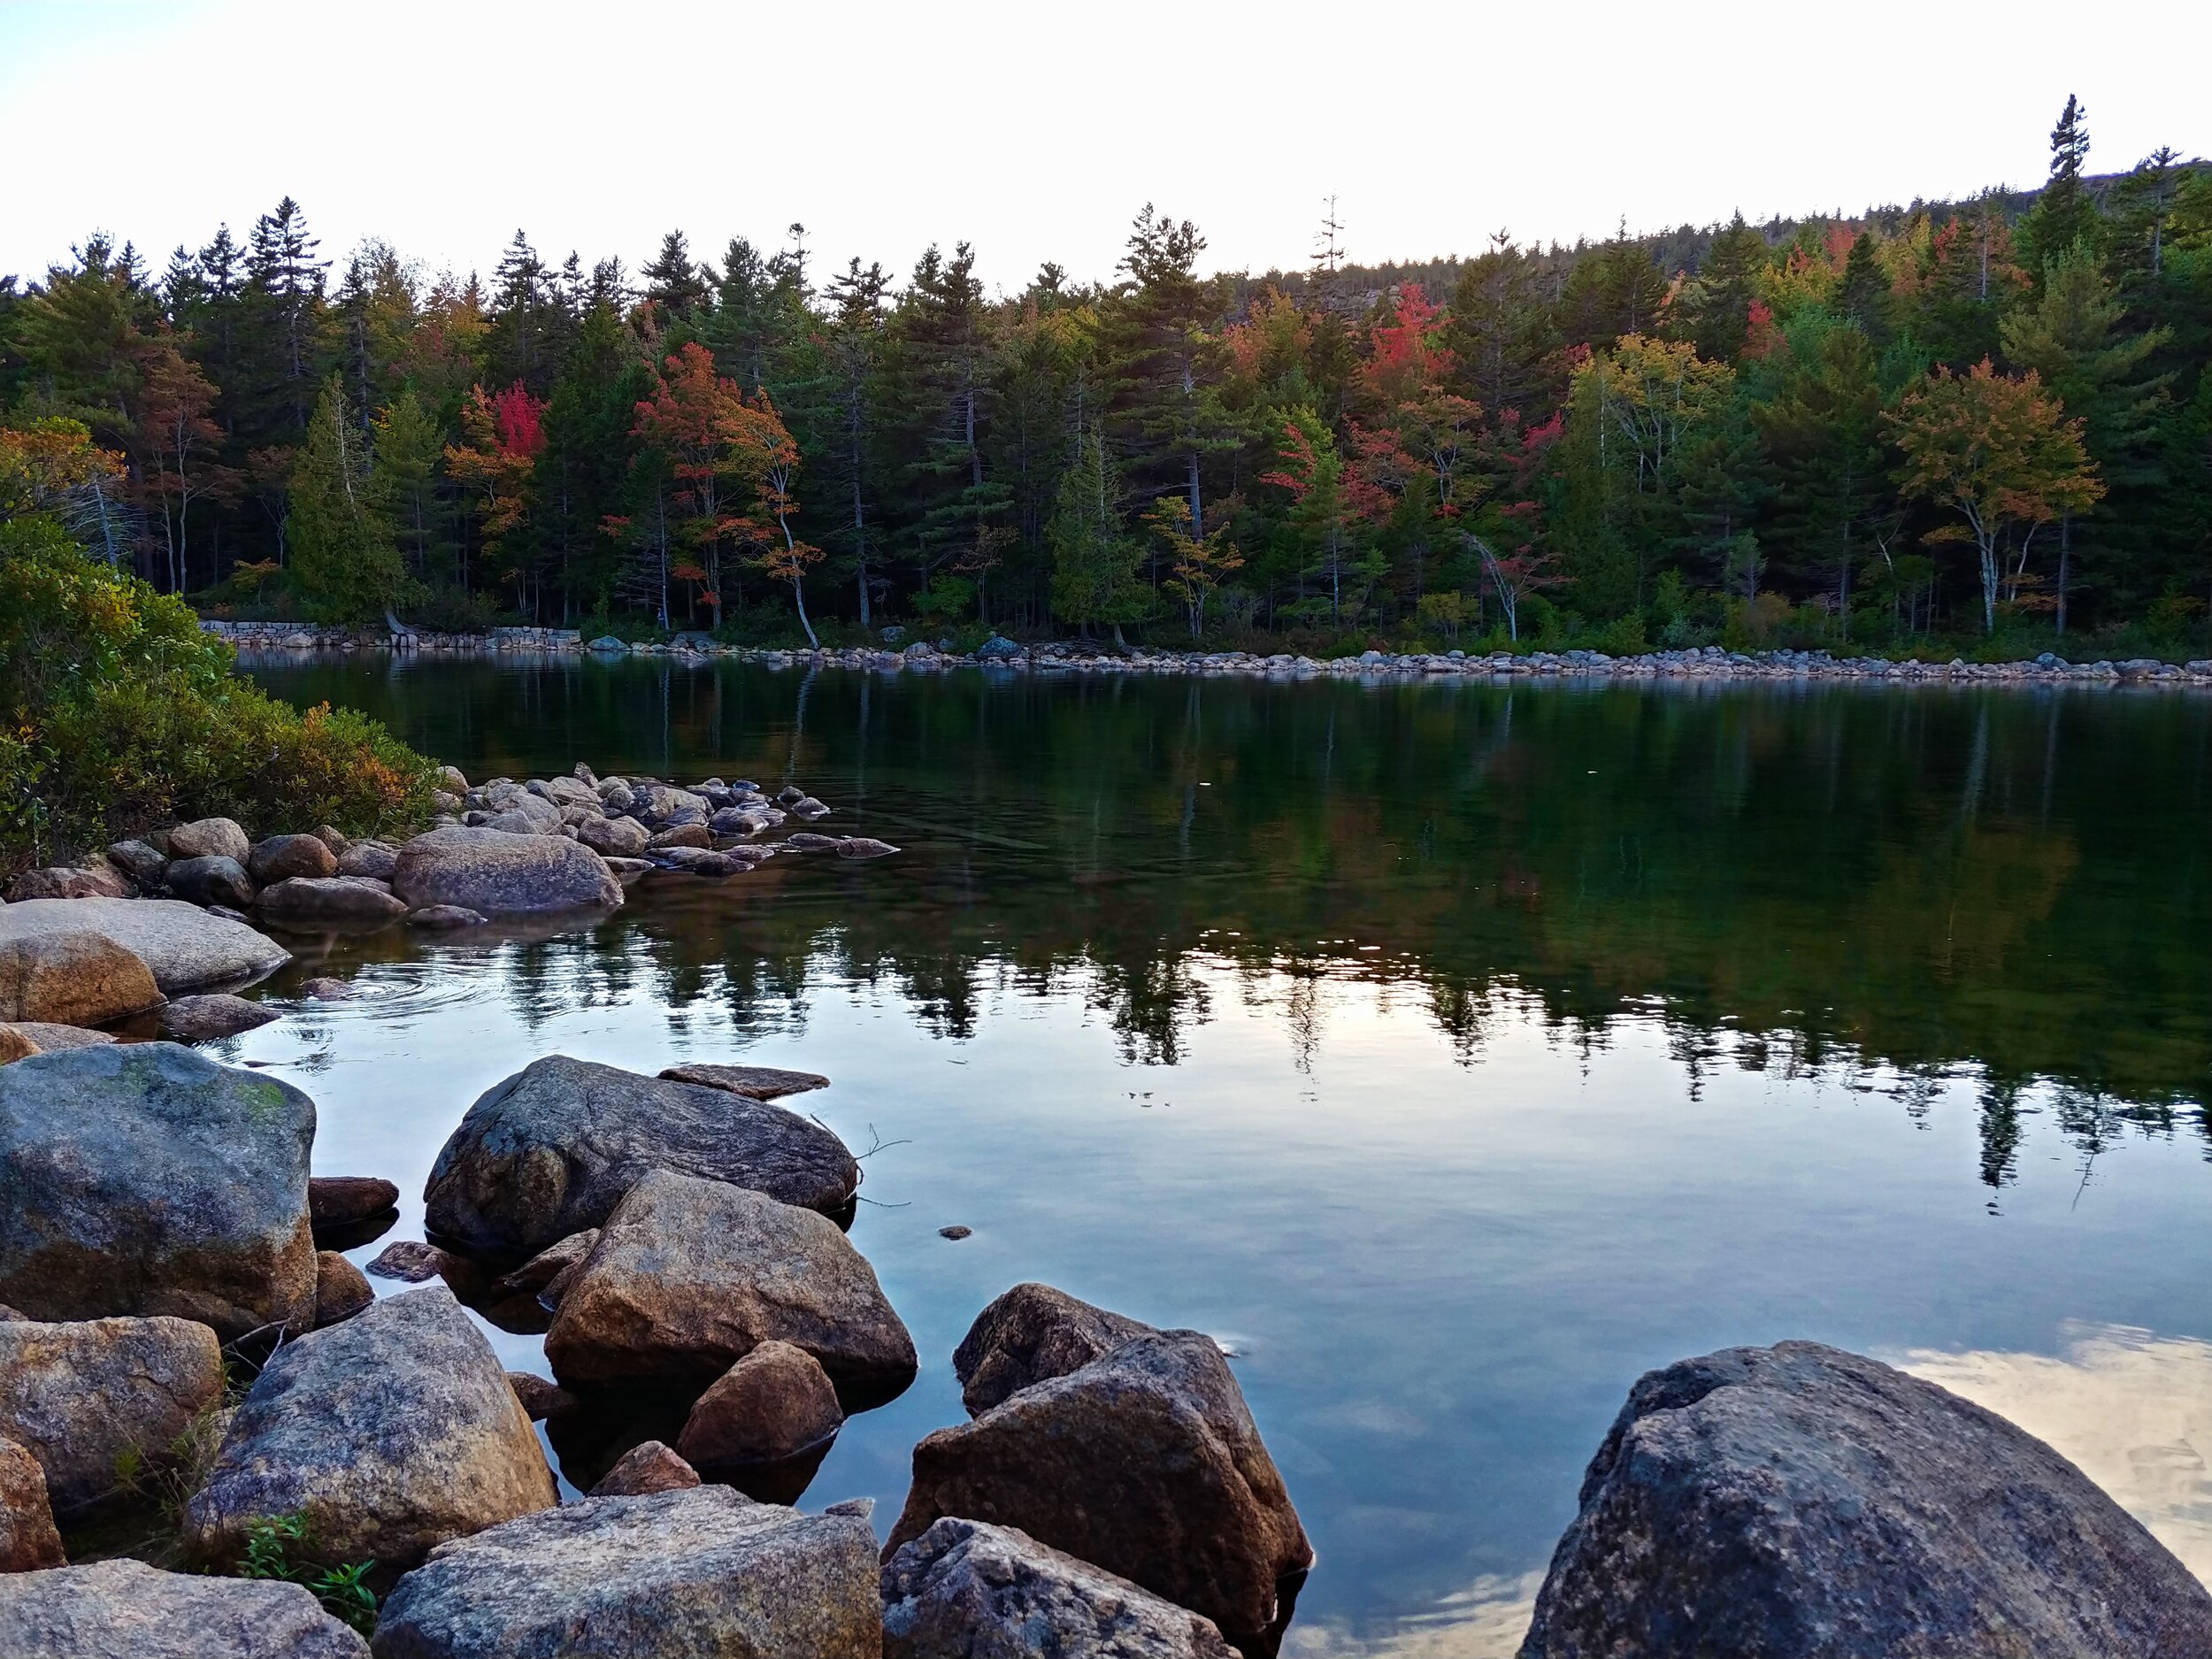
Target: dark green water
[{"x": 1453, "y": 1053}]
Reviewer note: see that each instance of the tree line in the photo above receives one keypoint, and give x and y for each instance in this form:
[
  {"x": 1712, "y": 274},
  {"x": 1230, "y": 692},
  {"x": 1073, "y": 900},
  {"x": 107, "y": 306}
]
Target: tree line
[{"x": 1985, "y": 418}]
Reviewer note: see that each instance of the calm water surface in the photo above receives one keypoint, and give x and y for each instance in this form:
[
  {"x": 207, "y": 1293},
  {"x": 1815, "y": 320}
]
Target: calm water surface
[{"x": 1452, "y": 1053}]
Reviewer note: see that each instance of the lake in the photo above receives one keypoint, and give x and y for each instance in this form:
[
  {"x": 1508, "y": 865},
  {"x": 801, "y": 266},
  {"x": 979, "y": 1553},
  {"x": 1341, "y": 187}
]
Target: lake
[{"x": 1453, "y": 1052}]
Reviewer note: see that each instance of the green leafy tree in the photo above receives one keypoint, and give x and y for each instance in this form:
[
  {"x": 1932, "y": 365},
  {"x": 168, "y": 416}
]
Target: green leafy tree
[
  {"x": 1095, "y": 561},
  {"x": 344, "y": 564}
]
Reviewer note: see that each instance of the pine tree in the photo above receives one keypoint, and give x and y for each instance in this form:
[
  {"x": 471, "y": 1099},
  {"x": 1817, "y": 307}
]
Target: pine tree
[
  {"x": 1719, "y": 301},
  {"x": 1823, "y": 431},
  {"x": 343, "y": 564},
  {"x": 1501, "y": 331},
  {"x": 2065, "y": 214},
  {"x": 673, "y": 285}
]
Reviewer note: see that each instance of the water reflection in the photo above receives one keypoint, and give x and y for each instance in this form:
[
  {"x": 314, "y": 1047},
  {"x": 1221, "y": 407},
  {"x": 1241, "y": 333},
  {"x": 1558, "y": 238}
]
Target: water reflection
[
  {"x": 2131, "y": 1408},
  {"x": 1455, "y": 1086}
]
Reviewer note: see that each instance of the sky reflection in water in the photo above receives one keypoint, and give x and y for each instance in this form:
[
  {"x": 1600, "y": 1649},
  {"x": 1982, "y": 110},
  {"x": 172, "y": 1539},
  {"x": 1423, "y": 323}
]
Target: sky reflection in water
[{"x": 1448, "y": 1090}]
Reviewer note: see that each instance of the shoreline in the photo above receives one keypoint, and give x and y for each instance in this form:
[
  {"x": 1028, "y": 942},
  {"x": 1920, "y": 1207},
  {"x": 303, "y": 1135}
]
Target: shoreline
[{"x": 1697, "y": 663}]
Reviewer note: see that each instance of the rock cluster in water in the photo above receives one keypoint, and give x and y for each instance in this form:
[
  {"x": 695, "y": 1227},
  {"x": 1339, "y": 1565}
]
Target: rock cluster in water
[{"x": 154, "y": 1206}]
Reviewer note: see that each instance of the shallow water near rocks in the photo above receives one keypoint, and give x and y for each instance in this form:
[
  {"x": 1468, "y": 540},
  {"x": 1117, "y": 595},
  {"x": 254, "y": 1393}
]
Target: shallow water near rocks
[{"x": 1452, "y": 1053}]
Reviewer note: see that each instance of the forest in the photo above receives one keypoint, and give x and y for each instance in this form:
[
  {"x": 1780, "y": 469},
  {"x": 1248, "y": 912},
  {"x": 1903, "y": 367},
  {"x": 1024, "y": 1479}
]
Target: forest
[{"x": 1983, "y": 424}]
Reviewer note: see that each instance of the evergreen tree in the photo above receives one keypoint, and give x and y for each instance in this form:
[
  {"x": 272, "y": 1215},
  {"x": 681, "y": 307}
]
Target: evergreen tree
[
  {"x": 1167, "y": 363},
  {"x": 1613, "y": 290},
  {"x": 409, "y": 446},
  {"x": 280, "y": 325},
  {"x": 530, "y": 320},
  {"x": 2065, "y": 214},
  {"x": 1719, "y": 301},
  {"x": 1823, "y": 431},
  {"x": 343, "y": 564},
  {"x": 674, "y": 286},
  {"x": 1501, "y": 331},
  {"x": 1094, "y": 560},
  {"x": 1864, "y": 294}
]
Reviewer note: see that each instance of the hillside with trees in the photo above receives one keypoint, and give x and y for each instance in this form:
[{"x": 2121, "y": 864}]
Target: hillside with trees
[{"x": 1985, "y": 424}]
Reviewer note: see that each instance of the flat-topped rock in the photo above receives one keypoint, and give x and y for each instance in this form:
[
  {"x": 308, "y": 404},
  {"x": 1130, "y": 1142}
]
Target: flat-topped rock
[
  {"x": 498, "y": 873},
  {"x": 125, "y": 1610},
  {"x": 1799, "y": 1500},
  {"x": 690, "y": 1276},
  {"x": 756, "y": 1082},
  {"x": 144, "y": 1179},
  {"x": 281, "y": 857},
  {"x": 184, "y": 946},
  {"x": 310, "y": 901},
  {"x": 671, "y": 1575},
  {"x": 388, "y": 1434},
  {"x": 551, "y": 1150},
  {"x": 212, "y": 1015}
]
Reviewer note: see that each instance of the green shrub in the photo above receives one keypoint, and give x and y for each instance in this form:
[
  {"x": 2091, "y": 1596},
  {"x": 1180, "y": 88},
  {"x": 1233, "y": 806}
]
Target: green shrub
[
  {"x": 117, "y": 713},
  {"x": 274, "y": 1547}
]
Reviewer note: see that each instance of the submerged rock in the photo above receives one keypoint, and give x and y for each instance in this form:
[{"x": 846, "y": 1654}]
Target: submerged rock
[
  {"x": 690, "y": 1276},
  {"x": 211, "y": 1016},
  {"x": 28, "y": 1539},
  {"x": 111, "y": 1610},
  {"x": 78, "y": 978},
  {"x": 1031, "y": 1333},
  {"x": 1801, "y": 1500},
  {"x": 144, "y": 1179},
  {"x": 667, "y": 1576},
  {"x": 968, "y": 1590},
  {"x": 443, "y": 915},
  {"x": 1145, "y": 1463},
  {"x": 863, "y": 846},
  {"x": 498, "y": 873},
  {"x": 410, "y": 1260},
  {"x": 650, "y": 1467},
  {"x": 390, "y": 1434},
  {"x": 755, "y": 1082},
  {"x": 549, "y": 1263},
  {"x": 551, "y": 1150},
  {"x": 184, "y": 946},
  {"x": 85, "y": 1397}
]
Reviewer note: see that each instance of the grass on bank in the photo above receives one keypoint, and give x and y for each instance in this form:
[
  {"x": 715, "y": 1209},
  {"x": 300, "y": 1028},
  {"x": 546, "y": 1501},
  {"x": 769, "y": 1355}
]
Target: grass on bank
[{"x": 117, "y": 714}]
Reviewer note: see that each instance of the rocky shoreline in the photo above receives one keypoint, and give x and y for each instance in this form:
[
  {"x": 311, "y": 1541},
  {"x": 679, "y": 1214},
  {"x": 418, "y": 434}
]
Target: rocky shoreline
[{"x": 1708, "y": 662}]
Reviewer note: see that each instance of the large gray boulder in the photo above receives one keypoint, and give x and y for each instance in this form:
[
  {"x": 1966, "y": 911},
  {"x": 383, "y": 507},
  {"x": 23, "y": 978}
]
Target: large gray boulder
[
  {"x": 281, "y": 857},
  {"x": 551, "y": 1150},
  {"x": 1145, "y": 1463},
  {"x": 313, "y": 901},
  {"x": 1030, "y": 1334},
  {"x": 613, "y": 837},
  {"x": 671, "y": 1575},
  {"x": 390, "y": 1434},
  {"x": 125, "y": 1610},
  {"x": 210, "y": 838},
  {"x": 690, "y": 1276},
  {"x": 183, "y": 946},
  {"x": 144, "y": 1179},
  {"x": 72, "y": 979},
  {"x": 91, "y": 1397},
  {"x": 968, "y": 1590},
  {"x": 1800, "y": 1500},
  {"x": 500, "y": 873}
]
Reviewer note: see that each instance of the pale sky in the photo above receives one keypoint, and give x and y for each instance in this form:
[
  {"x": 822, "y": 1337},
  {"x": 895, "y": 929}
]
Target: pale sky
[{"x": 1037, "y": 130}]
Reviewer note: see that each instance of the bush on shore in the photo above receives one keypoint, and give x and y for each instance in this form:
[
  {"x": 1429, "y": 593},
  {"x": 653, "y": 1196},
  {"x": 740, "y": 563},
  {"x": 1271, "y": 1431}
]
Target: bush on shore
[{"x": 118, "y": 714}]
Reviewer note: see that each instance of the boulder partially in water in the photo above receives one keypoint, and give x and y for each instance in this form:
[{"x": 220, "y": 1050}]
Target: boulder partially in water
[
  {"x": 499, "y": 873},
  {"x": 88, "y": 1398},
  {"x": 704, "y": 1571},
  {"x": 341, "y": 1289},
  {"x": 1800, "y": 1500},
  {"x": 1145, "y": 1463},
  {"x": 210, "y": 1015},
  {"x": 317, "y": 902},
  {"x": 773, "y": 1406},
  {"x": 76, "y": 977},
  {"x": 111, "y": 1608},
  {"x": 28, "y": 1537},
  {"x": 551, "y": 1150},
  {"x": 690, "y": 1276},
  {"x": 144, "y": 1179},
  {"x": 756, "y": 1082},
  {"x": 183, "y": 946},
  {"x": 969, "y": 1590},
  {"x": 649, "y": 1467},
  {"x": 1029, "y": 1335},
  {"x": 388, "y": 1434}
]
